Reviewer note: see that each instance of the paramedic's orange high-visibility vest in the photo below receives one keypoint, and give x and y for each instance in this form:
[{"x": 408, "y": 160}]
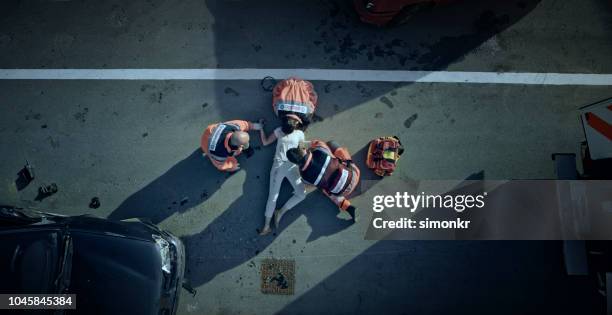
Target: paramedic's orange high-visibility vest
[
  {"x": 215, "y": 143},
  {"x": 327, "y": 171}
]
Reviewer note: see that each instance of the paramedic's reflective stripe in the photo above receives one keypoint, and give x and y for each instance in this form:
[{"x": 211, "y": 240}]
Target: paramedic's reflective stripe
[
  {"x": 292, "y": 108},
  {"x": 327, "y": 159},
  {"x": 217, "y": 158},
  {"x": 325, "y": 150},
  {"x": 212, "y": 145},
  {"x": 341, "y": 182}
]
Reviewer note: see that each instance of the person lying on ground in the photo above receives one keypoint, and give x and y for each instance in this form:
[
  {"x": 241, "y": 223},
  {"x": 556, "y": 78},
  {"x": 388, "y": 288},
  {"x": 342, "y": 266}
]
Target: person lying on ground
[{"x": 288, "y": 136}]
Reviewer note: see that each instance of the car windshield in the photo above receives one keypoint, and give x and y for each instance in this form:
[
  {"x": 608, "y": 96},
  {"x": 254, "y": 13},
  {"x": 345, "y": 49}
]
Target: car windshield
[{"x": 30, "y": 261}]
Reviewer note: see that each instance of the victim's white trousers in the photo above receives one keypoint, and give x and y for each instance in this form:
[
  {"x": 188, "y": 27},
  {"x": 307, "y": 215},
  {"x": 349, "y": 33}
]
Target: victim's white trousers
[{"x": 280, "y": 171}]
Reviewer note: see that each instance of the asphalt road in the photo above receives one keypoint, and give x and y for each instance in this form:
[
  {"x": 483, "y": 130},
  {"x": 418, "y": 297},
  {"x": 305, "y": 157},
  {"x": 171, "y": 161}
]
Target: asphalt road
[{"x": 135, "y": 144}]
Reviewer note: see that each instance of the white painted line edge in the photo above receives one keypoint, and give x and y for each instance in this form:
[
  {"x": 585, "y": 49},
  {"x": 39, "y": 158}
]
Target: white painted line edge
[{"x": 311, "y": 74}]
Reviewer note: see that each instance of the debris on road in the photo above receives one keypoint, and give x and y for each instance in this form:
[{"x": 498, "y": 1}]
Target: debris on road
[
  {"x": 45, "y": 191},
  {"x": 408, "y": 122},
  {"x": 229, "y": 90},
  {"x": 25, "y": 176},
  {"x": 94, "y": 203},
  {"x": 385, "y": 100},
  {"x": 268, "y": 83}
]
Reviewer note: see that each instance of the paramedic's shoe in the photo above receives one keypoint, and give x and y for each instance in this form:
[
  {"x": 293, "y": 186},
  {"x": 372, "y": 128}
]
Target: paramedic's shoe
[
  {"x": 265, "y": 231},
  {"x": 351, "y": 212}
]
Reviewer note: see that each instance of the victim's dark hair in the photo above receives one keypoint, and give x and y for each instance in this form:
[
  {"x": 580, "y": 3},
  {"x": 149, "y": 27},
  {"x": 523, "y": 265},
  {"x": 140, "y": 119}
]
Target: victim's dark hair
[{"x": 289, "y": 125}]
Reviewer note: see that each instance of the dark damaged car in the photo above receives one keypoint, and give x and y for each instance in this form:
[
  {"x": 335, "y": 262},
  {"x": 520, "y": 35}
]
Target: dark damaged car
[{"x": 113, "y": 267}]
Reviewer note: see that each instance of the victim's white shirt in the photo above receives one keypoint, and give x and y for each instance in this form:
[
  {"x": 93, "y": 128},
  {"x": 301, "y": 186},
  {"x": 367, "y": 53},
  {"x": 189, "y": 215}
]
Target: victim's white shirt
[
  {"x": 285, "y": 142},
  {"x": 282, "y": 168}
]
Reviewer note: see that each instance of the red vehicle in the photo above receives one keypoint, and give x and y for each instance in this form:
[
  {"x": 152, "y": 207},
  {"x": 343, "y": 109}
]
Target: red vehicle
[{"x": 391, "y": 12}]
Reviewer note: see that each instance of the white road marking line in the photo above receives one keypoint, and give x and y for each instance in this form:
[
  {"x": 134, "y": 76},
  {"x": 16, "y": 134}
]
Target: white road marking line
[{"x": 311, "y": 74}]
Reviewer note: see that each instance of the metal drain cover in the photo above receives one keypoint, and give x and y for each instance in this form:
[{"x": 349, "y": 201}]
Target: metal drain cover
[{"x": 278, "y": 276}]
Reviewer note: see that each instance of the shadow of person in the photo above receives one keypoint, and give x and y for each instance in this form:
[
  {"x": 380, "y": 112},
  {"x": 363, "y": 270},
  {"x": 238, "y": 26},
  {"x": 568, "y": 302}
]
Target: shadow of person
[
  {"x": 400, "y": 268},
  {"x": 231, "y": 238},
  {"x": 460, "y": 270},
  {"x": 321, "y": 215},
  {"x": 184, "y": 186}
]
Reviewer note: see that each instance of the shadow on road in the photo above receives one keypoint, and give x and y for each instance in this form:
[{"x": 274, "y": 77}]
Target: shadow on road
[
  {"x": 231, "y": 239},
  {"x": 329, "y": 34},
  {"x": 427, "y": 277},
  {"x": 187, "y": 184},
  {"x": 528, "y": 277}
]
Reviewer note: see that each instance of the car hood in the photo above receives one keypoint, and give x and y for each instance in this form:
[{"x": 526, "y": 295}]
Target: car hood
[{"x": 112, "y": 274}]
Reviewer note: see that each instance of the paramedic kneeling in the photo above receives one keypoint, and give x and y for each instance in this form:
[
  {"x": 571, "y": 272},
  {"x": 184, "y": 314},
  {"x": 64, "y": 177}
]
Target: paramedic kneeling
[
  {"x": 328, "y": 167},
  {"x": 223, "y": 142}
]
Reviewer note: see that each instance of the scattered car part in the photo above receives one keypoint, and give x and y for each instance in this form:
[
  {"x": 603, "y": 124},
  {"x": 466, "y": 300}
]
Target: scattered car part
[
  {"x": 45, "y": 191},
  {"x": 94, "y": 203},
  {"x": 25, "y": 176}
]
